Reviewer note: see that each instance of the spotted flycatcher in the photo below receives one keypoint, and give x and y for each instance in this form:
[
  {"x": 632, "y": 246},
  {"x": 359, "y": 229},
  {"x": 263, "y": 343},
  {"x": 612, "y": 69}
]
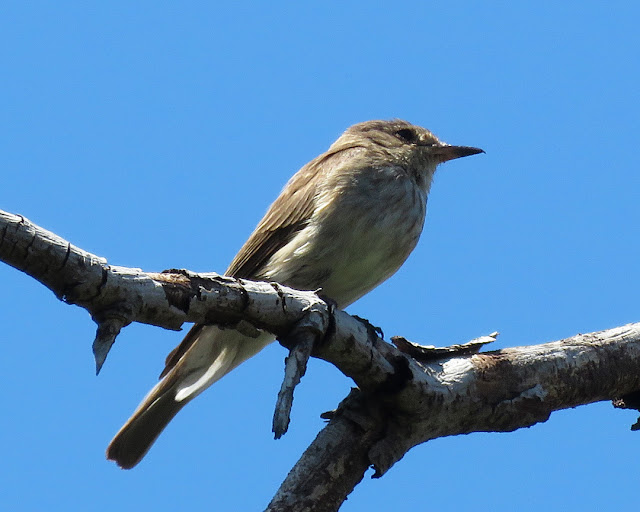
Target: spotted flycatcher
[{"x": 344, "y": 223}]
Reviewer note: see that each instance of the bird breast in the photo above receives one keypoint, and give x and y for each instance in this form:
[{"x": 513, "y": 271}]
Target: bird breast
[{"x": 364, "y": 226}]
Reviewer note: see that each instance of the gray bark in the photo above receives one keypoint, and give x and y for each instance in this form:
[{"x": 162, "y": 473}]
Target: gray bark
[{"x": 405, "y": 396}]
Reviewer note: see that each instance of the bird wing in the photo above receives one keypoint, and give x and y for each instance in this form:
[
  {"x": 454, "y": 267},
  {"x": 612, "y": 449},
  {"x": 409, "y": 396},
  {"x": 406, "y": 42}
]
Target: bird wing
[
  {"x": 288, "y": 214},
  {"x": 279, "y": 225}
]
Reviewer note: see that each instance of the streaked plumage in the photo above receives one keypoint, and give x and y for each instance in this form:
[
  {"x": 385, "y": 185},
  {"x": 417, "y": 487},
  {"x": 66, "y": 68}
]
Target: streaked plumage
[{"x": 344, "y": 223}]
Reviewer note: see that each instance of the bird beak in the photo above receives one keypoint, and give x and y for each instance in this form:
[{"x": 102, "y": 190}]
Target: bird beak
[{"x": 447, "y": 152}]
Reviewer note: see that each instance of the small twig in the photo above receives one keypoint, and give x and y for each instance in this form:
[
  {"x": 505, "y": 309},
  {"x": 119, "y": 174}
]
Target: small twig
[
  {"x": 105, "y": 338},
  {"x": 295, "y": 368},
  {"x": 110, "y": 322},
  {"x": 429, "y": 353},
  {"x": 300, "y": 343}
]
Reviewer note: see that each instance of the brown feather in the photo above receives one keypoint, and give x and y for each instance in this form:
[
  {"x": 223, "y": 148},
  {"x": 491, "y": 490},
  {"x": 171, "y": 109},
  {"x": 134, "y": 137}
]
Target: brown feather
[
  {"x": 276, "y": 230},
  {"x": 278, "y": 226},
  {"x": 134, "y": 439},
  {"x": 176, "y": 354}
]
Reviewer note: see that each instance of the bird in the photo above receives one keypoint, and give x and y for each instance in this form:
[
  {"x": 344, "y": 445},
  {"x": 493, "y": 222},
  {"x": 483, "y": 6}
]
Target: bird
[{"x": 343, "y": 224}]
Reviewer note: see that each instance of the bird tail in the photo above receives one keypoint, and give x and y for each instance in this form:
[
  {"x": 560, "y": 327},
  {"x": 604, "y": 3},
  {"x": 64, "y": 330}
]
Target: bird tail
[
  {"x": 206, "y": 355},
  {"x": 134, "y": 439}
]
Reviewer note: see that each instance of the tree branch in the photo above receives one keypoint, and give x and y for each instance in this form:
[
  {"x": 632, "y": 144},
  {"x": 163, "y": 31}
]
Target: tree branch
[
  {"x": 497, "y": 391},
  {"x": 400, "y": 401}
]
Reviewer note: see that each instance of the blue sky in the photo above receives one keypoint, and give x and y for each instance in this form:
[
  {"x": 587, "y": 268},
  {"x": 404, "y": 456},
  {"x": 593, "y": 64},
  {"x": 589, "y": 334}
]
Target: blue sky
[{"x": 156, "y": 134}]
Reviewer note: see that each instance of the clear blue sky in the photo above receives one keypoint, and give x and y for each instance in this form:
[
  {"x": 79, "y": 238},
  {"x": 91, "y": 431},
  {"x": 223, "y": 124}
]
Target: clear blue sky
[{"x": 156, "y": 134}]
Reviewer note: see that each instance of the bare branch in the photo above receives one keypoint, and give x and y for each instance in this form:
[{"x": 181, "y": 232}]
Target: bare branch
[
  {"x": 334, "y": 463},
  {"x": 116, "y": 296},
  {"x": 122, "y": 295},
  {"x": 495, "y": 392},
  {"x": 401, "y": 401}
]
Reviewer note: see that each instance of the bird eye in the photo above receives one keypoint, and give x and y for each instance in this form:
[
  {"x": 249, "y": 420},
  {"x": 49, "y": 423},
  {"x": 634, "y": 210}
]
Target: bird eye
[{"x": 407, "y": 135}]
